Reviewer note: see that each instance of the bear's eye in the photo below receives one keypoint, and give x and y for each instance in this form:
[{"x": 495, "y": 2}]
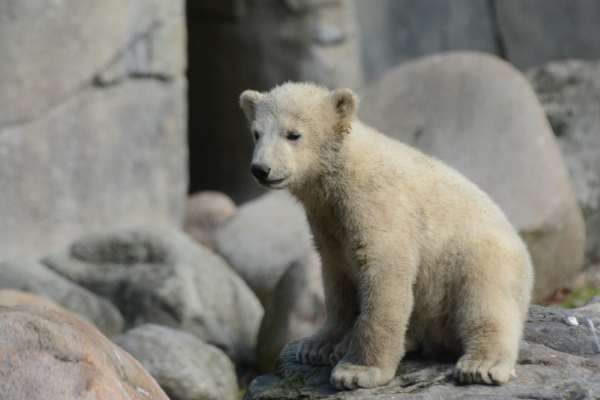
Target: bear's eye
[
  {"x": 293, "y": 135},
  {"x": 256, "y": 134}
]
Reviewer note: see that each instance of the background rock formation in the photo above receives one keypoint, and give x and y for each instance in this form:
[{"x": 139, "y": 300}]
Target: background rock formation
[{"x": 92, "y": 119}]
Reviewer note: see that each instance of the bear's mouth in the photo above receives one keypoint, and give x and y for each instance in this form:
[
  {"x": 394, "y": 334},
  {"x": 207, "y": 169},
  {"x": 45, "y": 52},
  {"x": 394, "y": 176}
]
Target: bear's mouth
[{"x": 271, "y": 182}]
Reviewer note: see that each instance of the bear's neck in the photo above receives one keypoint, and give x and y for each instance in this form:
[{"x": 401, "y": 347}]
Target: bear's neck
[{"x": 328, "y": 188}]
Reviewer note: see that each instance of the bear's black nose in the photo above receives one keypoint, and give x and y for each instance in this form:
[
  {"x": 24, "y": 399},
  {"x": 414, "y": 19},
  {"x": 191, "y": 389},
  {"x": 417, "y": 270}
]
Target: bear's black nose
[{"x": 260, "y": 171}]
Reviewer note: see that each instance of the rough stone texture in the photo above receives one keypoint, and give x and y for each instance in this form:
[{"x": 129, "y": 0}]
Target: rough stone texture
[
  {"x": 263, "y": 239},
  {"x": 92, "y": 119},
  {"x": 161, "y": 276},
  {"x": 184, "y": 366},
  {"x": 570, "y": 94},
  {"x": 556, "y": 361},
  {"x": 535, "y": 32},
  {"x": 297, "y": 310},
  {"x": 31, "y": 276},
  {"x": 205, "y": 212},
  {"x": 482, "y": 117},
  {"x": 260, "y": 44},
  {"x": 393, "y": 31},
  {"x": 52, "y": 355}
]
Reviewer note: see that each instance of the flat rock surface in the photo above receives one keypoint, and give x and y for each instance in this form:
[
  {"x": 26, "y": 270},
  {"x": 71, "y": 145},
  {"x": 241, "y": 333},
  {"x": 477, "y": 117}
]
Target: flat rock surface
[{"x": 558, "y": 360}]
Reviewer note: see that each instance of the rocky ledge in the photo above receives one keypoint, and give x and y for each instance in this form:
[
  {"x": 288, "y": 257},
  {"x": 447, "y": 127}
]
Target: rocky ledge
[{"x": 559, "y": 359}]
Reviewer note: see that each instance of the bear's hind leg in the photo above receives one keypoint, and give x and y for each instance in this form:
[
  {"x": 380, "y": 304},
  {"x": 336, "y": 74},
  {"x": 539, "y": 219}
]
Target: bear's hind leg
[{"x": 490, "y": 329}]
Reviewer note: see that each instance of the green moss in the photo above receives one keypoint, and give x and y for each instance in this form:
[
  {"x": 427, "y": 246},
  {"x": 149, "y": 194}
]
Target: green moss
[
  {"x": 293, "y": 382},
  {"x": 580, "y": 297}
]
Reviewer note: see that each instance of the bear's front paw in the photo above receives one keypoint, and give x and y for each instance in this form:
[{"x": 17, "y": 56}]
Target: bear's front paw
[
  {"x": 347, "y": 376},
  {"x": 314, "y": 351},
  {"x": 491, "y": 371}
]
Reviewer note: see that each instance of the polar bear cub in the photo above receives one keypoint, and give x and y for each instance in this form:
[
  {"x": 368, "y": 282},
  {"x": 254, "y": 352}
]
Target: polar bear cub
[{"x": 414, "y": 255}]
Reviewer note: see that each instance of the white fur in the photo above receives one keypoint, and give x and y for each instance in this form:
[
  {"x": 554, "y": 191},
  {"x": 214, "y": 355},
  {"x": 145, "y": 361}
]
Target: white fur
[{"x": 415, "y": 256}]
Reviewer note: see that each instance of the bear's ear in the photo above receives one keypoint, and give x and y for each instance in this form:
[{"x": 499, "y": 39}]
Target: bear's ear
[
  {"x": 345, "y": 103},
  {"x": 248, "y": 100}
]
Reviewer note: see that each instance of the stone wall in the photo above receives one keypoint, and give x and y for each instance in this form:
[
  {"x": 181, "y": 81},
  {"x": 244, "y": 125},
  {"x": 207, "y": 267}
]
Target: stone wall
[
  {"x": 92, "y": 119},
  {"x": 526, "y": 33}
]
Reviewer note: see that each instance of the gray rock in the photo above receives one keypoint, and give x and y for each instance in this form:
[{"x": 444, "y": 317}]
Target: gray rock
[
  {"x": 185, "y": 367},
  {"x": 570, "y": 94},
  {"x": 263, "y": 239},
  {"x": 536, "y": 32},
  {"x": 481, "y": 116},
  {"x": 92, "y": 119},
  {"x": 297, "y": 310},
  {"x": 161, "y": 276},
  {"x": 261, "y": 44},
  {"x": 393, "y": 31},
  {"x": 205, "y": 212},
  {"x": 556, "y": 361},
  {"x": 31, "y": 276}
]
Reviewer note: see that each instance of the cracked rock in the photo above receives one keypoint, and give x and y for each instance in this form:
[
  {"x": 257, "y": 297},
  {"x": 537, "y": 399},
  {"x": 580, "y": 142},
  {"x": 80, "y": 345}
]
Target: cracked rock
[{"x": 92, "y": 119}]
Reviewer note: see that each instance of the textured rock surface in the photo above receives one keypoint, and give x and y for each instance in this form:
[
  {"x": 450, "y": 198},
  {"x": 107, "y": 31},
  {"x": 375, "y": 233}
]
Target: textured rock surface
[
  {"x": 205, "y": 212},
  {"x": 92, "y": 119},
  {"x": 263, "y": 239},
  {"x": 31, "y": 276},
  {"x": 161, "y": 276},
  {"x": 481, "y": 116},
  {"x": 570, "y": 94},
  {"x": 260, "y": 44},
  {"x": 184, "y": 366},
  {"x": 52, "y": 355},
  {"x": 556, "y": 361},
  {"x": 296, "y": 310}
]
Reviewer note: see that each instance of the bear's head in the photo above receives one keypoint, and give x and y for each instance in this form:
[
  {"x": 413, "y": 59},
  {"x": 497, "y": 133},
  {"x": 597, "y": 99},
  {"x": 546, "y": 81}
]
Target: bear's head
[{"x": 297, "y": 128}]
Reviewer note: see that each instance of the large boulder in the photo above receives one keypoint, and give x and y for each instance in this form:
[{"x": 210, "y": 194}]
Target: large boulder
[
  {"x": 570, "y": 94},
  {"x": 184, "y": 366},
  {"x": 559, "y": 359},
  {"x": 92, "y": 119},
  {"x": 481, "y": 116},
  {"x": 205, "y": 213},
  {"x": 297, "y": 310},
  {"x": 31, "y": 276},
  {"x": 161, "y": 276},
  {"x": 263, "y": 239},
  {"x": 260, "y": 44},
  {"x": 46, "y": 354}
]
